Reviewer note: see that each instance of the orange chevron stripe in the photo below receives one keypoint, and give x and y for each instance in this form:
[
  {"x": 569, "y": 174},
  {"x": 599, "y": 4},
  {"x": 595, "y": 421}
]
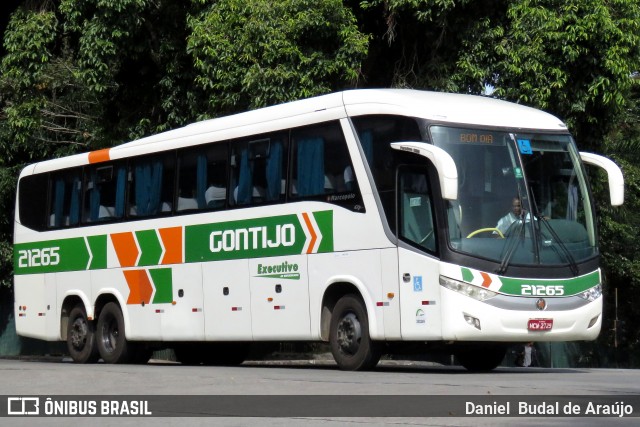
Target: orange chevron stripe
[
  {"x": 172, "y": 241},
  {"x": 314, "y": 236},
  {"x": 140, "y": 288},
  {"x": 487, "y": 279},
  {"x": 126, "y": 249}
]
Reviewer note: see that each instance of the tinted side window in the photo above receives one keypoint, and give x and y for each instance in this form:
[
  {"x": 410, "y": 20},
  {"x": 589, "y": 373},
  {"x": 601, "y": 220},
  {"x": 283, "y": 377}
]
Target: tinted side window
[
  {"x": 416, "y": 217},
  {"x": 151, "y": 181},
  {"x": 32, "y": 197},
  {"x": 258, "y": 170},
  {"x": 321, "y": 167},
  {"x": 376, "y": 133},
  {"x": 202, "y": 178},
  {"x": 104, "y": 192},
  {"x": 65, "y": 198}
]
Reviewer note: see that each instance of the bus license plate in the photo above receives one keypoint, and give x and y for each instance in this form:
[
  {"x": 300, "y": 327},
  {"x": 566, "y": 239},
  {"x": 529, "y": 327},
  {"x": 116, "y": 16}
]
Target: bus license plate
[{"x": 540, "y": 324}]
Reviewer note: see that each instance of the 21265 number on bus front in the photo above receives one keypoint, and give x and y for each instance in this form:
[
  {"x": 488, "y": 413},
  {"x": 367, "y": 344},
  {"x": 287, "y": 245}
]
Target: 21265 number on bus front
[{"x": 542, "y": 290}]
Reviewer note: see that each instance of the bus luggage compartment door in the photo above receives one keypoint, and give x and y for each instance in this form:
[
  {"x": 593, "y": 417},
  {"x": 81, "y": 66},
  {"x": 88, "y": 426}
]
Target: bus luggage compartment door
[{"x": 280, "y": 297}]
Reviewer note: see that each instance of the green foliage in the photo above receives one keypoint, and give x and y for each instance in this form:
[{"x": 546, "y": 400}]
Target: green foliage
[
  {"x": 102, "y": 28},
  {"x": 620, "y": 264},
  {"x": 573, "y": 58},
  {"x": 570, "y": 57},
  {"x": 28, "y": 42},
  {"x": 619, "y": 240},
  {"x": 250, "y": 54},
  {"x": 7, "y": 201},
  {"x": 28, "y": 49}
]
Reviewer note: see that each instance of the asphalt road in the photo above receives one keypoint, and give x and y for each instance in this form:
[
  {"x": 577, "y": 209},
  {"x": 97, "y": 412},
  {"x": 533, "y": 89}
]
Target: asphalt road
[{"x": 387, "y": 391}]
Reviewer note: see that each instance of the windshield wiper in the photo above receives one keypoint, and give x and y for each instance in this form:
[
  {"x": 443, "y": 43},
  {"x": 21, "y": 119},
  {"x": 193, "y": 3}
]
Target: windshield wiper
[
  {"x": 570, "y": 259},
  {"x": 512, "y": 245}
]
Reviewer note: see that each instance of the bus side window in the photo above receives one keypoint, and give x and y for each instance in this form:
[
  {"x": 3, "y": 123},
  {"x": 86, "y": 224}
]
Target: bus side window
[
  {"x": 416, "y": 214},
  {"x": 321, "y": 162},
  {"x": 202, "y": 178},
  {"x": 104, "y": 193},
  {"x": 310, "y": 177},
  {"x": 32, "y": 196},
  {"x": 258, "y": 170},
  {"x": 151, "y": 185},
  {"x": 64, "y": 203},
  {"x": 216, "y": 193}
]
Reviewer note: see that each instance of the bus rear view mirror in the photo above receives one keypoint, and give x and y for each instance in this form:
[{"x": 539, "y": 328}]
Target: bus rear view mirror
[{"x": 446, "y": 167}]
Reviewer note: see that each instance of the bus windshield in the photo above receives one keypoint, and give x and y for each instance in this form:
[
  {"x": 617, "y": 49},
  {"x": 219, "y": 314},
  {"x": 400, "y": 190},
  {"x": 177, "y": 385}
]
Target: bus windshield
[{"x": 522, "y": 197}]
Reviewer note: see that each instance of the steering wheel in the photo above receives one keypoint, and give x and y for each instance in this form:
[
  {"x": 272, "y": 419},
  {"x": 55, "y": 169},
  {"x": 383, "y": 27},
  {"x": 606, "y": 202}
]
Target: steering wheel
[{"x": 482, "y": 230}]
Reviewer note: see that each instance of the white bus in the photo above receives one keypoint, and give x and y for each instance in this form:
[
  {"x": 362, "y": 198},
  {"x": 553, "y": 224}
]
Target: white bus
[{"x": 367, "y": 219}]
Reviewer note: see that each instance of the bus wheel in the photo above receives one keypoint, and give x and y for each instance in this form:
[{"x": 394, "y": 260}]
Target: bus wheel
[
  {"x": 81, "y": 339},
  {"x": 351, "y": 346},
  {"x": 112, "y": 343},
  {"x": 481, "y": 358}
]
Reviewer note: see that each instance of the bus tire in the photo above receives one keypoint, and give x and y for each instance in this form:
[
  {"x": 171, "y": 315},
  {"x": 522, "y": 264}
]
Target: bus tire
[
  {"x": 351, "y": 346},
  {"x": 112, "y": 343},
  {"x": 482, "y": 357},
  {"x": 81, "y": 337}
]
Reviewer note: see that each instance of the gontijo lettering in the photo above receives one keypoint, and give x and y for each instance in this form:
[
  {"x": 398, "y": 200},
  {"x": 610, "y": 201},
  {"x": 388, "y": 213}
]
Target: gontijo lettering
[
  {"x": 278, "y": 235},
  {"x": 252, "y": 238}
]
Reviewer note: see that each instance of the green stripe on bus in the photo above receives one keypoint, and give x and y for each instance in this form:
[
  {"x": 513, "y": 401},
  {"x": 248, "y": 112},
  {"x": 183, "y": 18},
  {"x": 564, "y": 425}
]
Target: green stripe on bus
[
  {"x": 60, "y": 255},
  {"x": 149, "y": 246},
  {"x": 162, "y": 281},
  {"x": 324, "y": 219},
  {"x": 467, "y": 275},
  {"x": 255, "y": 238},
  {"x": 252, "y": 238},
  {"x": 570, "y": 286},
  {"x": 98, "y": 246}
]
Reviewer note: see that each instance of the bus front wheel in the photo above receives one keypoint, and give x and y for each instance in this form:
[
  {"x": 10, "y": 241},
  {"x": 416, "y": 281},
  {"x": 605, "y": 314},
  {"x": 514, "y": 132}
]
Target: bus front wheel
[
  {"x": 112, "y": 343},
  {"x": 351, "y": 346},
  {"x": 81, "y": 339}
]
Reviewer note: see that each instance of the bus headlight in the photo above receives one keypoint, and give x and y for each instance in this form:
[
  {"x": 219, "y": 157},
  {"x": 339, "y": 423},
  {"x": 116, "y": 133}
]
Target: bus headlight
[
  {"x": 591, "y": 294},
  {"x": 475, "y": 292}
]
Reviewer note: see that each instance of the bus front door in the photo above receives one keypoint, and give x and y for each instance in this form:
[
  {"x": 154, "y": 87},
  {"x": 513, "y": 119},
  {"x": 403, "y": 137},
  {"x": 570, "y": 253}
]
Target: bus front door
[{"x": 418, "y": 267}]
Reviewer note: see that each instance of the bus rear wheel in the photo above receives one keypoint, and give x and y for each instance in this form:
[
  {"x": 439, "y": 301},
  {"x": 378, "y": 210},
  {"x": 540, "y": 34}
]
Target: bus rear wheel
[
  {"x": 81, "y": 339},
  {"x": 351, "y": 346},
  {"x": 112, "y": 343}
]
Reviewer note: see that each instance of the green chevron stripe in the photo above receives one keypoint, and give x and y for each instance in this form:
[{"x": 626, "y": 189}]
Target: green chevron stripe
[
  {"x": 149, "y": 246},
  {"x": 162, "y": 281}
]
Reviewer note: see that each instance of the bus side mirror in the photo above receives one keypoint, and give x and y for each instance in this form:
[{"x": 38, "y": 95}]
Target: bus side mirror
[
  {"x": 614, "y": 173},
  {"x": 446, "y": 167}
]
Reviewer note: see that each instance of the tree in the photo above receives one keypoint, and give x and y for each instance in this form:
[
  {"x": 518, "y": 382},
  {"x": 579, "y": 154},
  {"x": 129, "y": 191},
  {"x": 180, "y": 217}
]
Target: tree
[
  {"x": 251, "y": 54},
  {"x": 572, "y": 58},
  {"x": 619, "y": 240}
]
